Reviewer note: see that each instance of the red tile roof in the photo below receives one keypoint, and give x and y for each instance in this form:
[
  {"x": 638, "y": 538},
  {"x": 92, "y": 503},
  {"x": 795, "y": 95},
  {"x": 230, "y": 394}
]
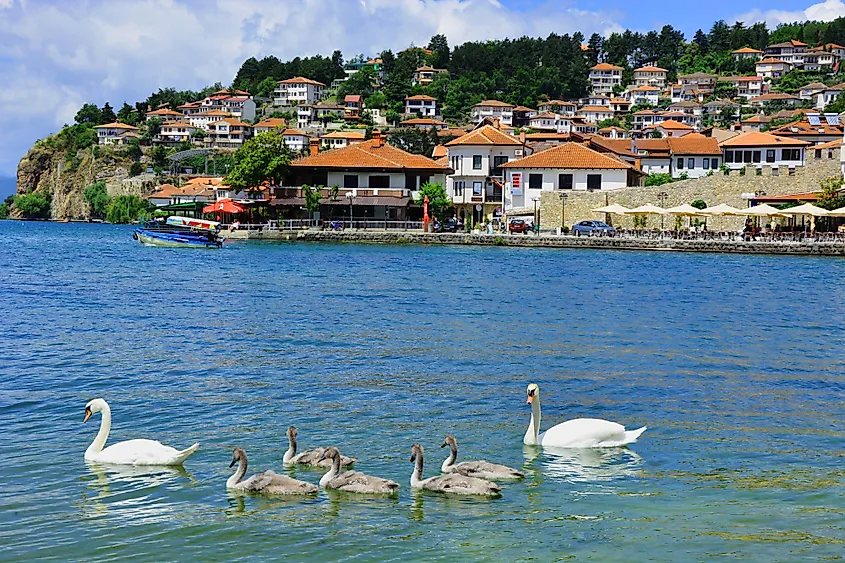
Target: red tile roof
[
  {"x": 694, "y": 143},
  {"x": 301, "y": 80},
  {"x": 756, "y": 139},
  {"x": 569, "y": 155},
  {"x": 369, "y": 155},
  {"x": 487, "y": 135},
  {"x": 605, "y": 66}
]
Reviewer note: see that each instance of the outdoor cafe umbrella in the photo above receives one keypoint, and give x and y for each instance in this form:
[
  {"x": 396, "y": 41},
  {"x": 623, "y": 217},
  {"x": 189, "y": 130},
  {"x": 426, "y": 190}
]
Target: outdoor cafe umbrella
[
  {"x": 647, "y": 209},
  {"x": 764, "y": 210},
  {"x": 806, "y": 209},
  {"x": 616, "y": 209},
  {"x": 685, "y": 210},
  {"x": 721, "y": 209},
  {"x": 836, "y": 212}
]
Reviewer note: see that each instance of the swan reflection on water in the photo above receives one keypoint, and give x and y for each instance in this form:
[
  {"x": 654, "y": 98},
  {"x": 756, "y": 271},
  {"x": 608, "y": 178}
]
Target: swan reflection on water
[
  {"x": 579, "y": 465},
  {"x": 125, "y": 490}
]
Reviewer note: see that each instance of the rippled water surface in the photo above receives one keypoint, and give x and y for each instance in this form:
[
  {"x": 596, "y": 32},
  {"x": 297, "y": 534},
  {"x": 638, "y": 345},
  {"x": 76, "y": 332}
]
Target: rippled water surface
[{"x": 734, "y": 362}]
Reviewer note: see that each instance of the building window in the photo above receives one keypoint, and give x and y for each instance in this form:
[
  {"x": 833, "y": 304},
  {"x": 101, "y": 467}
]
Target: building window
[
  {"x": 690, "y": 163},
  {"x": 350, "y": 181},
  {"x": 564, "y": 181},
  {"x": 593, "y": 181},
  {"x": 476, "y": 162},
  {"x": 477, "y": 187},
  {"x": 818, "y": 153},
  {"x": 459, "y": 188},
  {"x": 770, "y": 156},
  {"x": 497, "y": 162},
  {"x": 705, "y": 163},
  {"x": 714, "y": 163},
  {"x": 535, "y": 181},
  {"x": 791, "y": 154},
  {"x": 379, "y": 182},
  {"x": 729, "y": 156},
  {"x": 680, "y": 164}
]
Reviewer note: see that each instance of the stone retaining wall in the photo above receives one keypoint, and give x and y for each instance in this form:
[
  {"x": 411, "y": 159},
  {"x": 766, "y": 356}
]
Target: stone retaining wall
[
  {"x": 713, "y": 190},
  {"x": 821, "y": 249}
]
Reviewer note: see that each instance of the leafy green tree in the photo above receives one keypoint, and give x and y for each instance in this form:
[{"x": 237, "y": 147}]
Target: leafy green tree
[
  {"x": 414, "y": 141},
  {"x": 126, "y": 208},
  {"x": 699, "y": 204},
  {"x": 89, "y": 113},
  {"x": 34, "y": 205},
  {"x": 312, "y": 198},
  {"x": 265, "y": 157},
  {"x": 366, "y": 118},
  {"x": 376, "y": 101},
  {"x": 266, "y": 87},
  {"x": 98, "y": 198},
  {"x": 658, "y": 179},
  {"x": 610, "y": 123},
  {"x": 136, "y": 169},
  {"x": 656, "y": 134},
  {"x": 159, "y": 157},
  {"x": 153, "y": 128},
  {"x": 831, "y": 198},
  {"x": 439, "y": 202},
  {"x": 6, "y": 207},
  {"x": 360, "y": 83},
  {"x": 440, "y": 53},
  {"x": 107, "y": 114}
]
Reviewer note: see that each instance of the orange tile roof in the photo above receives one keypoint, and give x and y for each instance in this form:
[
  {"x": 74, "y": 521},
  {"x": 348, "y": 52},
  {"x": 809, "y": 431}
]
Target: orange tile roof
[
  {"x": 618, "y": 146},
  {"x": 545, "y": 115},
  {"x": 645, "y": 89},
  {"x": 116, "y": 125},
  {"x": 231, "y": 121},
  {"x": 837, "y": 144},
  {"x": 771, "y": 60},
  {"x": 206, "y": 180},
  {"x": 301, "y": 80},
  {"x": 804, "y": 128},
  {"x": 523, "y": 108},
  {"x": 757, "y": 119},
  {"x": 344, "y": 135},
  {"x": 746, "y": 50},
  {"x": 421, "y": 97},
  {"x": 773, "y": 96},
  {"x": 694, "y": 143},
  {"x": 368, "y": 155},
  {"x": 273, "y": 123},
  {"x": 604, "y": 109},
  {"x": 605, "y": 66},
  {"x": 227, "y": 92},
  {"x": 757, "y": 139},
  {"x": 171, "y": 124},
  {"x": 294, "y": 132},
  {"x": 493, "y": 103},
  {"x": 674, "y": 125},
  {"x": 439, "y": 151},
  {"x": 544, "y": 136},
  {"x": 212, "y": 113},
  {"x": 650, "y": 68},
  {"x": 569, "y": 155},
  {"x": 653, "y": 145},
  {"x": 487, "y": 135},
  {"x": 164, "y": 111}
]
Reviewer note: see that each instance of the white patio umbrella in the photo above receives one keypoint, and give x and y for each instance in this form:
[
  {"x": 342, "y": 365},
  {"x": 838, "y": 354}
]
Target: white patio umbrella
[
  {"x": 615, "y": 208},
  {"x": 806, "y": 209},
  {"x": 836, "y": 212},
  {"x": 764, "y": 210},
  {"x": 721, "y": 209},
  {"x": 647, "y": 209},
  {"x": 685, "y": 210}
]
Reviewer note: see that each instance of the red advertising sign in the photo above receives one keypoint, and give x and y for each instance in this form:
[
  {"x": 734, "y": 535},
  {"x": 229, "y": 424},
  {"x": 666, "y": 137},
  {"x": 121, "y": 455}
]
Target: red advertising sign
[{"x": 516, "y": 183}]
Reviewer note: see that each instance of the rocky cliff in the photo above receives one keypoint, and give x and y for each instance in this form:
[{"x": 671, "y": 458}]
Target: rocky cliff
[{"x": 50, "y": 170}]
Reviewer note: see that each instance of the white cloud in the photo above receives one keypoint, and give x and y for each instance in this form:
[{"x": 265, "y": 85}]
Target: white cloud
[
  {"x": 823, "y": 11},
  {"x": 55, "y": 57}
]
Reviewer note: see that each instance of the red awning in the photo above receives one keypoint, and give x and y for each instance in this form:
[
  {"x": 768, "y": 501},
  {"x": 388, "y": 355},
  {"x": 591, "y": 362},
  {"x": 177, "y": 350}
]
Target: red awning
[{"x": 224, "y": 206}]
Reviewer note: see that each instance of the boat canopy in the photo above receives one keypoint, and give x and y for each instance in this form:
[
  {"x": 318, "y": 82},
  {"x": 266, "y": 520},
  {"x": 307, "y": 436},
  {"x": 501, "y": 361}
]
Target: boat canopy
[{"x": 189, "y": 222}]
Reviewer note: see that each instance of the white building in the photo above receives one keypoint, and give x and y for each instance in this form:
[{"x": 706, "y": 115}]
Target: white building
[
  {"x": 791, "y": 52},
  {"x": 747, "y": 87},
  {"x": 298, "y": 90},
  {"x": 762, "y": 149},
  {"x": 237, "y": 103},
  {"x": 228, "y": 133},
  {"x": 202, "y": 120},
  {"x": 650, "y": 75},
  {"x": 819, "y": 61},
  {"x": 770, "y": 68},
  {"x": 643, "y": 95},
  {"x": 164, "y": 114},
  {"x": 828, "y": 95},
  {"x": 176, "y": 132},
  {"x": 559, "y": 107},
  {"x": 425, "y": 75},
  {"x": 694, "y": 155},
  {"x": 747, "y": 53},
  {"x": 595, "y": 114},
  {"x": 115, "y": 133},
  {"x": 340, "y": 139},
  {"x": 603, "y": 77},
  {"x": 493, "y": 109},
  {"x": 422, "y": 105},
  {"x": 477, "y": 159}
]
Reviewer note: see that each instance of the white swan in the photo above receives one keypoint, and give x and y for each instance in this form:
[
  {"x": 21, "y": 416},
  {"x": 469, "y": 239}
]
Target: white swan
[
  {"x": 268, "y": 482},
  {"x": 313, "y": 457},
  {"x": 130, "y": 452},
  {"x": 575, "y": 433},
  {"x": 451, "y": 483},
  {"x": 481, "y": 469},
  {"x": 354, "y": 481}
]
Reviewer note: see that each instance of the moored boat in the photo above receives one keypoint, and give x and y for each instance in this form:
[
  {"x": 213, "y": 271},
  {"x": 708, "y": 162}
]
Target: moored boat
[{"x": 180, "y": 232}]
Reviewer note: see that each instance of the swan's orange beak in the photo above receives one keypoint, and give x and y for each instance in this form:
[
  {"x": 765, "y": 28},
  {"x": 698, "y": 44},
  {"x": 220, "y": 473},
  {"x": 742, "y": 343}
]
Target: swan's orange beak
[
  {"x": 87, "y": 414},
  {"x": 530, "y": 399}
]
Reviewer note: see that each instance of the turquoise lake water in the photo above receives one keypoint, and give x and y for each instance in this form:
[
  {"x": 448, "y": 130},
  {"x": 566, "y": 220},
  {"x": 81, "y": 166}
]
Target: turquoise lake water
[{"x": 735, "y": 363}]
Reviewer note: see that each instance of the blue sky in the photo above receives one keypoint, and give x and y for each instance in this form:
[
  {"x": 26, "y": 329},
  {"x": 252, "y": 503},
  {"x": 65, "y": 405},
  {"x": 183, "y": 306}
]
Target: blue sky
[{"x": 56, "y": 55}]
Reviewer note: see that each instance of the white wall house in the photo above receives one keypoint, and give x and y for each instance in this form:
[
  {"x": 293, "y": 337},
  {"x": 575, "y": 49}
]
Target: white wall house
[
  {"x": 176, "y": 132},
  {"x": 702, "y": 82},
  {"x": 791, "y": 52},
  {"x": 828, "y": 95},
  {"x": 747, "y": 53},
  {"x": 424, "y": 106},
  {"x": 340, "y": 139},
  {"x": 228, "y": 133},
  {"x": 595, "y": 114},
  {"x": 694, "y": 155},
  {"x": 202, "y": 120},
  {"x": 762, "y": 149},
  {"x": 114, "y": 133},
  {"x": 425, "y": 75},
  {"x": 770, "y": 68},
  {"x": 643, "y": 95},
  {"x": 295, "y": 140},
  {"x": 298, "y": 90},
  {"x": 603, "y": 77},
  {"x": 747, "y": 87},
  {"x": 650, "y": 75},
  {"x": 566, "y": 167},
  {"x": 819, "y": 61},
  {"x": 559, "y": 107},
  {"x": 164, "y": 114},
  {"x": 493, "y": 109}
]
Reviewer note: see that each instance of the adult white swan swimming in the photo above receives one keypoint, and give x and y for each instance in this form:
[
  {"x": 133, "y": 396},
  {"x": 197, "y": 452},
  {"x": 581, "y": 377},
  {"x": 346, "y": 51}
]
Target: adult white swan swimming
[
  {"x": 130, "y": 452},
  {"x": 575, "y": 433}
]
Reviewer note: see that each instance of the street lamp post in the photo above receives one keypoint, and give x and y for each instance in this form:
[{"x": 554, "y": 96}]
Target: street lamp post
[
  {"x": 563, "y": 197},
  {"x": 350, "y": 196},
  {"x": 536, "y": 218},
  {"x": 661, "y": 197}
]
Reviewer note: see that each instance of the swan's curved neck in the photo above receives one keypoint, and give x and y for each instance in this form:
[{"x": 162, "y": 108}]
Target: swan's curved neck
[
  {"x": 237, "y": 475},
  {"x": 532, "y": 435},
  {"x": 100, "y": 440},
  {"x": 450, "y": 461},
  {"x": 416, "y": 476},
  {"x": 332, "y": 473},
  {"x": 291, "y": 450}
]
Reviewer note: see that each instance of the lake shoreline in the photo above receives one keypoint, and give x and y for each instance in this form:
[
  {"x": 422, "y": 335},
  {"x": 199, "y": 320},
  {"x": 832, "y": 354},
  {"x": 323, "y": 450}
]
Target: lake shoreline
[{"x": 547, "y": 241}]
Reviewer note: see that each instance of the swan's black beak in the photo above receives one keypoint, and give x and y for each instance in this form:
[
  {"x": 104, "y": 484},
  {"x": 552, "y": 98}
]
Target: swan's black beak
[
  {"x": 87, "y": 414},
  {"x": 234, "y": 461},
  {"x": 322, "y": 457},
  {"x": 413, "y": 458},
  {"x": 443, "y": 445}
]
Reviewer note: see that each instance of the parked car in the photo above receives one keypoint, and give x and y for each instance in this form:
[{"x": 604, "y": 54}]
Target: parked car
[
  {"x": 518, "y": 226},
  {"x": 593, "y": 228},
  {"x": 450, "y": 226}
]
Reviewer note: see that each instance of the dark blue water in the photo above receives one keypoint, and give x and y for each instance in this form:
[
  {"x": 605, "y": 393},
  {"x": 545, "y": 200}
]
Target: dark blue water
[{"x": 734, "y": 362}]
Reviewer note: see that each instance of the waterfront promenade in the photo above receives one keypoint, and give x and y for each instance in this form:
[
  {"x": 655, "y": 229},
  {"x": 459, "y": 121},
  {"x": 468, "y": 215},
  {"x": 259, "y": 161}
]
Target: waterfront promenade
[{"x": 808, "y": 246}]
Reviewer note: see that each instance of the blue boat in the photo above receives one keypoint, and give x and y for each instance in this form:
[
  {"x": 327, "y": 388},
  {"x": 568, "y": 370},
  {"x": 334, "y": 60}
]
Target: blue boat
[{"x": 180, "y": 232}]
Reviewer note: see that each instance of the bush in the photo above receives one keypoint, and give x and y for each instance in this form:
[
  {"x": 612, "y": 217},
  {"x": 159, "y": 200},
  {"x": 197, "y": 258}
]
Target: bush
[
  {"x": 34, "y": 205},
  {"x": 126, "y": 208},
  {"x": 498, "y": 241},
  {"x": 136, "y": 169},
  {"x": 98, "y": 198},
  {"x": 6, "y": 207},
  {"x": 658, "y": 179}
]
